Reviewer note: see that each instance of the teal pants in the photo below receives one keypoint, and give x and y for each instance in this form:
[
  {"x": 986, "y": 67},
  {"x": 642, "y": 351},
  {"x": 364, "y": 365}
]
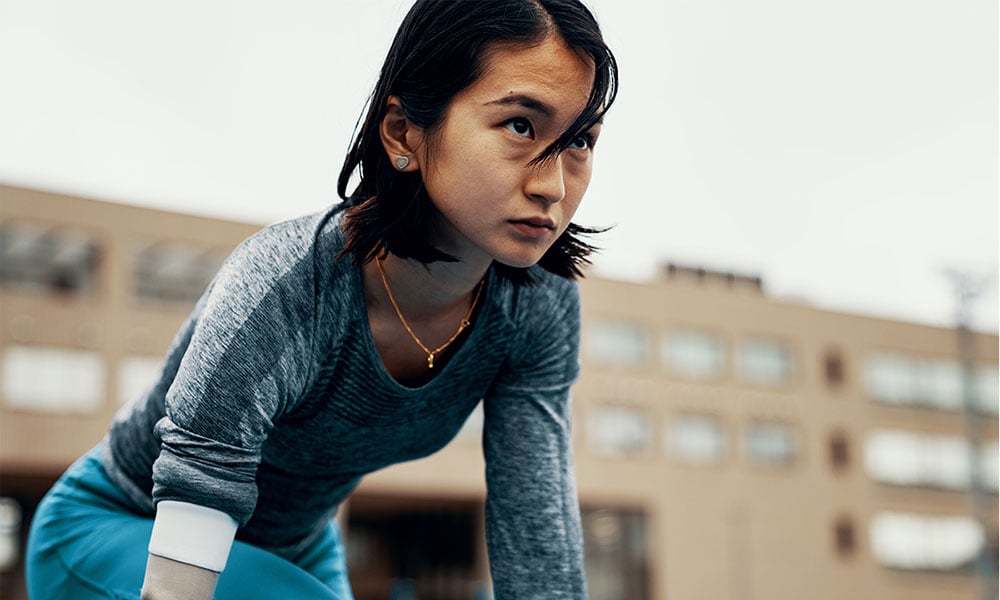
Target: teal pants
[{"x": 87, "y": 543}]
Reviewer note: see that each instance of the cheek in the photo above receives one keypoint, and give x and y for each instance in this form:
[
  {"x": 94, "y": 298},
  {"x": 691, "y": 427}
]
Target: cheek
[
  {"x": 578, "y": 179},
  {"x": 576, "y": 188},
  {"x": 569, "y": 210},
  {"x": 461, "y": 168}
]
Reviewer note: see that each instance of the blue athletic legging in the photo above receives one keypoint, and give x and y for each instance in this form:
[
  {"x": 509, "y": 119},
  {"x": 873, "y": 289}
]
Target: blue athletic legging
[{"x": 86, "y": 543}]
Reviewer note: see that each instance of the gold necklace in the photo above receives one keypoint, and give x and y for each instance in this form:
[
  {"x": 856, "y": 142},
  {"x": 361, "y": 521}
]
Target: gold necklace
[{"x": 461, "y": 326}]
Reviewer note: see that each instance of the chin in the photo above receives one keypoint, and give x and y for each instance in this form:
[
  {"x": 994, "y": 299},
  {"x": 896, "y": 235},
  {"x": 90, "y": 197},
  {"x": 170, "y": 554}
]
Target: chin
[
  {"x": 520, "y": 256},
  {"x": 520, "y": 262}
]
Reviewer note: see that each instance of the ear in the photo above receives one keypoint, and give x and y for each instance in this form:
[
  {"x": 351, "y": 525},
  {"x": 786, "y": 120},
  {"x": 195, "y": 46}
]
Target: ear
[{"x": 400, "y": 137}]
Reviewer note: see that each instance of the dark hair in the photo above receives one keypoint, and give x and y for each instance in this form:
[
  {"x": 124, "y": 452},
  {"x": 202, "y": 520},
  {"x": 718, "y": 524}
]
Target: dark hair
[{"x": 440, "y": 49}]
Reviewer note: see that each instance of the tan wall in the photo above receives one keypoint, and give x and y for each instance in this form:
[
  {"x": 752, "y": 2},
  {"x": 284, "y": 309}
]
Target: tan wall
[
  {"x": 725, "y": 531},
  {"x": 736, "y": 530},
  {"x": 110, "y": 321}
]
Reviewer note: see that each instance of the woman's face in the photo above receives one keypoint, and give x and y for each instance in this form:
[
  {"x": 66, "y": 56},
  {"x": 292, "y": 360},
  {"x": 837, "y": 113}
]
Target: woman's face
[{"x": 493, "y": 205}]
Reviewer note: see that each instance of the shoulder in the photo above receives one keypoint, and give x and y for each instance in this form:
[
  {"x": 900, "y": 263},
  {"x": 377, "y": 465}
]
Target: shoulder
[
  {"x": 548, "y": 309},
  {"x": 545, "y": 325},
  {"x": 549, "y": 297},
  {"x": 279, "y": 246},
  {"x": 279, "y": 258}
]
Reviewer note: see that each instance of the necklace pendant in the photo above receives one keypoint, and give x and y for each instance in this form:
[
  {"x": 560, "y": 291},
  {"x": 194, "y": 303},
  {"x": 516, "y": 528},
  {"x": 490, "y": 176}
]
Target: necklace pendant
[{"x": 430, "y": 361}]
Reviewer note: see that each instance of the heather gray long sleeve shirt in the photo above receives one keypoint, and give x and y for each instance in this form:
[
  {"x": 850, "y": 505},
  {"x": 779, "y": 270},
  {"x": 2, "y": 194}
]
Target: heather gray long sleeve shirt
[{"x": 273, "y": 403}]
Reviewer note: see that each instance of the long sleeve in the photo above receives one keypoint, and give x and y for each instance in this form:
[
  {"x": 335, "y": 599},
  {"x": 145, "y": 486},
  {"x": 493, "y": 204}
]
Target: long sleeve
[
  {"x": 243, "y": 365},
  {"x": 534, "y": 535}
]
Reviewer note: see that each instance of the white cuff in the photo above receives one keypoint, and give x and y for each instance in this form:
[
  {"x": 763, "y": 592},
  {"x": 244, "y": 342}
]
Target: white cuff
[{"x": 192, "y": 534}]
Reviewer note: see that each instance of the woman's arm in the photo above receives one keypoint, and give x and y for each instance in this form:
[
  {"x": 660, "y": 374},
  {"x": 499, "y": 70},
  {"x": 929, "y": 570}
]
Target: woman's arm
[
  {"x": 247, "y": 359},
  {"x": 188, "y": 550},
  {"x": 173, "y": 580},
  {"x": 534, "y": 535}
]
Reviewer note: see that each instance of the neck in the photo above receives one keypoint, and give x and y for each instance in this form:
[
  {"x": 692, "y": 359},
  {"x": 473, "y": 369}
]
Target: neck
[{"x": 422, "y": 290}]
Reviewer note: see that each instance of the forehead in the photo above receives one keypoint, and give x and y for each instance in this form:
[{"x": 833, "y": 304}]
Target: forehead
[{"x": 550, "y": 72}]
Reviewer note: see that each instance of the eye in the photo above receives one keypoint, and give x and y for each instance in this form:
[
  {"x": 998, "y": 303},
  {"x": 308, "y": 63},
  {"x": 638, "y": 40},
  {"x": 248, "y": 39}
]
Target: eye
[
  {"x": 583, "y": 142},
  {"x": 519, "y": 126}
]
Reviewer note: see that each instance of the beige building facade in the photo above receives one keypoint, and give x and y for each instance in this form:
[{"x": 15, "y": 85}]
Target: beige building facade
[{"x": 728, "y": 445}]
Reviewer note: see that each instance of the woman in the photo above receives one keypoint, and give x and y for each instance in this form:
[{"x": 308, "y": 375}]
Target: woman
[{"x": 333, "y": 345}]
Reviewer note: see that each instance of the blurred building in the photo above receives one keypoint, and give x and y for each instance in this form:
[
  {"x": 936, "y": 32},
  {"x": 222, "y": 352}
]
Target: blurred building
[{"x": 728, "y": 445}]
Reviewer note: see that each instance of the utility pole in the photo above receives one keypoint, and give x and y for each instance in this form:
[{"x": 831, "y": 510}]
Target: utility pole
[{"x": 968, "y": 288}]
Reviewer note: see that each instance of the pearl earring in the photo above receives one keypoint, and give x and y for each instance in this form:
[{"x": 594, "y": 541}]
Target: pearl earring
[{"x": 401, "y": 162}]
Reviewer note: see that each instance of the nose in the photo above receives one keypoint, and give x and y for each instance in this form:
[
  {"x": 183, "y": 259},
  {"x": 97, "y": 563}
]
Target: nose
[{"x": 546, "y": 182}]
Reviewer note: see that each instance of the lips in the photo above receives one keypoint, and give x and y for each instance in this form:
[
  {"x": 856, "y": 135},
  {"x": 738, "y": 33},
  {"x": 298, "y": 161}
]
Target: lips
[
  {"x": 539, "y": 222},
  {"x": 535, "y": 228}
]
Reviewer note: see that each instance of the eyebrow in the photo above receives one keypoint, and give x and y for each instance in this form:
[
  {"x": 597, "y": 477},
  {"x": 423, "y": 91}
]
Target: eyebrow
[
  {"x": 533, "y": 104},
  {"x": 525, "y": 101}
]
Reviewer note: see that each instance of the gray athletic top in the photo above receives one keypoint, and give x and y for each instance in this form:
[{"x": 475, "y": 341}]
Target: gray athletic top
[{"x": 273, "y": 403}]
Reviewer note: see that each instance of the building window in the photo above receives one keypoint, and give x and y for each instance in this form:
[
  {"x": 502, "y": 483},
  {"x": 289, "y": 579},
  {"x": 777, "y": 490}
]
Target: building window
[
  {"x": 616, "y": 553},
  {"x": 136, "y": 375},
  {"x": 764, "y": 362},
  {"x": 906, "y": 458},
  {"x": 985, "y": 389},
  {"x": 172, "y": 272},
  {"x": 771, "y": 443},
  {"x": 696, "y": 439},
  {"x": 616, "y": 431},
  {"x": 52, "y": 380},
  {"x": 58, "y": 260},
  {"x": 938, "y": 384},
  {"x": 693, "y": 354},
  {"x": 925, "y": 543},
  {"x": 10, "y": 535},
  {"x": 989, "y": 466},
  {"x": 408, "y": 548},
  {"x": 840, "y": 455},
  {"x": 617, "y": 344},
  {"x": 895, "y": 379},
  {"x": 843, "y": 537},
  {"x": 833, "y": 368},
  {"x": 889, "y": 379}
]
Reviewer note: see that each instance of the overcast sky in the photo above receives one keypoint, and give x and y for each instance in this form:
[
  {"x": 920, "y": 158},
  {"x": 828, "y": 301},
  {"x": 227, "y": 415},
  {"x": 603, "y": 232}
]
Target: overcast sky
[{"x": 846, "y": 151}]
